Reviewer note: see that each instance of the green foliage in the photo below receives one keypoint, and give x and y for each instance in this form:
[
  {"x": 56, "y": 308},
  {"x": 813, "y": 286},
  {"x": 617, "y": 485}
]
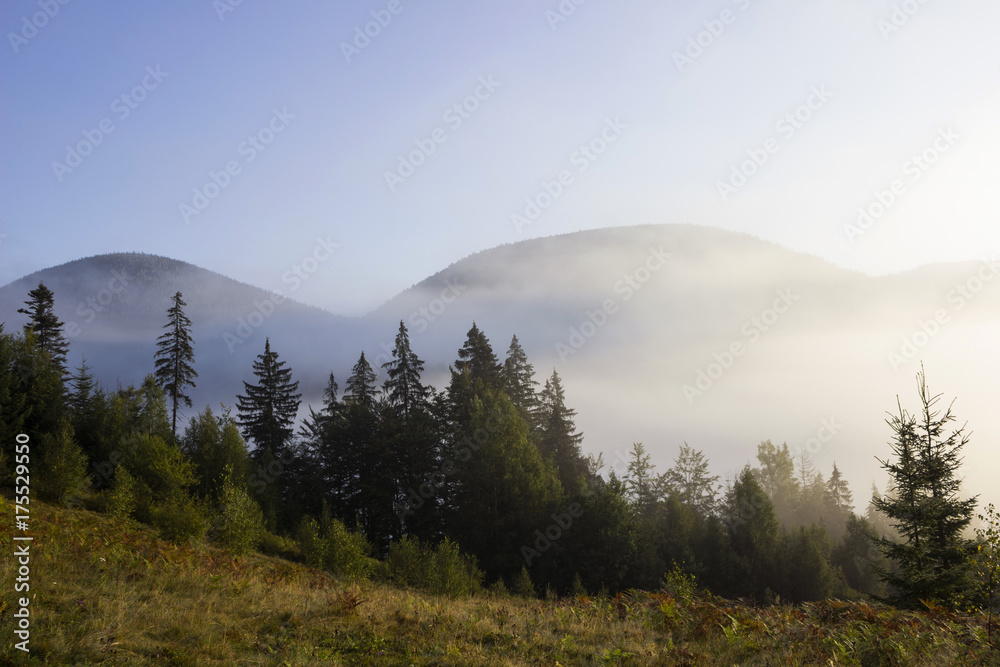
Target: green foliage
[
  {"x": 679, "y": 584},
  {"x": 442, "y": 570},
  {"x": 926, "y": 507},
  {"x": 239, "y": 523},
  {"x": 61, "y": 471},
  {"x": 335, "y": 549},
  {"x": 161, "y": 471},
  {"x": 121, "y": 503},
  {"x": 174, "y": 358},
  {"x": 523, "y": 585},
  {"x": 985, "y": 565},
  {"x": 179, "y": 518},
  {"x": 45, "y": 328},
  {"x": 214, "y": 445}
]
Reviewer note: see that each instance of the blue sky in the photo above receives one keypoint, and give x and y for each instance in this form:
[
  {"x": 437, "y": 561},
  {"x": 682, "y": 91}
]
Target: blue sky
[{"x": 896, "y": 101}]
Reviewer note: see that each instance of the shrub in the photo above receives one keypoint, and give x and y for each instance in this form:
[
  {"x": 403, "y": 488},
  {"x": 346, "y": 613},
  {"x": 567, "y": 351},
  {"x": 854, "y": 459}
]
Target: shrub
[
  {"x": 179, "y": 519},
  {"x": 311, "y": 544},
  {"x": 522, "y": 584},
  {"x": 279, "y": 546},
  {"x": 239, "y": 521},
  {"x": 443, "y": 570},
  {"x": 348, "y": 554},
  {"x": 121, "y": 499},
  {"x": 62, "y": 466}
]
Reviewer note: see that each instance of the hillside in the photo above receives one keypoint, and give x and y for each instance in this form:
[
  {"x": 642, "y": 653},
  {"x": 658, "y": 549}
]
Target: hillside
[
  {"x": 638, "y": 321},
  {"x": 103, "y": 594}
]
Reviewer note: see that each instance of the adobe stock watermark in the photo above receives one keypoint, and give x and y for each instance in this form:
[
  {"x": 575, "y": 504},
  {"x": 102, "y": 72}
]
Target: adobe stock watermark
[
  {"x": 421, "y": 318},
  {"x": 436, "y": 479},
  {"x": 914, "y": 168},
  {"x": 751, "y": 330},
  {"x": 248, "y": 149},
  {"x": 706, "y": 38},
  {"x": 30, "y": 25},
  {"x": 294, "y": 278},
  {"x": 582, "y": 158},
  {"x": 958, "y": 297},
  {"x": 562, "y": 13},
  {"x": 899, "y": 17},
  {"x": 98, "y": 303},
  {"x": 454, "y": 116},
  {"x": 363, "y": 35},
  {"x": 627, "y": 286},
  {"x": 786, "y": 127},
  {"x": 827, "y": 431},
  {"x": 223, "y": 7},
  {"x": 122, "y": 107},
  {"x": 562, "y": 522}
]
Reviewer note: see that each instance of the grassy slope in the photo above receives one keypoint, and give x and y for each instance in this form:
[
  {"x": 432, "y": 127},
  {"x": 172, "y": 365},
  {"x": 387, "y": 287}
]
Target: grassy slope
[{"x": 109, "y": 595}]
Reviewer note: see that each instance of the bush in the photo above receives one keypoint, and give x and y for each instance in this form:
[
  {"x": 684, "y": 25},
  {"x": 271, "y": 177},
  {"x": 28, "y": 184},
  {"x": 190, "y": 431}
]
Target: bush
[
  {"x": 311, "y": 543},
  {"x": 348, "y": 554},
  {"x": 62, "y": 466},
  {"x": 278, "y": 546},
  {"x": 523, "y": 585},
  {"x": 239, "y": 521},
  {"x": 442, "y": 571},
  {"x": 179, "y": 519},
  {"x": 334, "y": 548},
  {"x": 121, "y": 499}
]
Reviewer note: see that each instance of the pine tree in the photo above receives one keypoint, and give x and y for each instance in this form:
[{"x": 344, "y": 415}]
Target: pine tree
[
  {"x": 267, "y": 411},
  {"x": 46, "y": 327},
  {"x": 644, "y": 487},
  {"x": 932, "y": 558},
  {"x": 558, "y": 440},
  {"x": 86, "y": 402},
  {"x": 174, "y": 358},
  {"x": 754, "y": 534}
]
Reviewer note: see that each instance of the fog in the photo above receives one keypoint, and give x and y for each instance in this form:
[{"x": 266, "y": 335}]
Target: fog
[{"x": 662, "y": 334}]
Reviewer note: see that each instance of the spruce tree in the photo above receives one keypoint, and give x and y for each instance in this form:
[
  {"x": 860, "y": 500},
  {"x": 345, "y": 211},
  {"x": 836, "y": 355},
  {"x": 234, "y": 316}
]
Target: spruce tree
[
  {"x": 926, "y": 507},
  {"x": 477, "y": 355},
  {"x": 403, "y": 387},
  {"x": 518, "y": 377},
  {"x": 46, "y": 327},
  {"x": 267, "y": 411},
  {"x": 175, "y": 358},
  {"x": 559, "y": 440}
]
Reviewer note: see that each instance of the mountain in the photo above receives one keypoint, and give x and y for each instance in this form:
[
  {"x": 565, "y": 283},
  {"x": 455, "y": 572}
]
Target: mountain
[{"x": 662, "y": 334}]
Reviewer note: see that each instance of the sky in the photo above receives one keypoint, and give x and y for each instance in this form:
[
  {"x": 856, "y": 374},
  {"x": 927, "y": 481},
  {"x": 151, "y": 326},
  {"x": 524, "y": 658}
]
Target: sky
[{"x": 364, "y": 146}]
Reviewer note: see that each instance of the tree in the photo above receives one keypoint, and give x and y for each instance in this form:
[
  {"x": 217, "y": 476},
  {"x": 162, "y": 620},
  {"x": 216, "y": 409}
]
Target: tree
[
  {"x": 44, "y": 324},
  {"x": 86, "y": 402},
  {"x": 518, "y": 378},
  {"x": 777, "y": 477},
  {"x": 266, "y": 415},
  {"x": 267, "y": 410},
  {"x": 403, "y": 387},
  {"x": 926, "y": 509},
  {"x": 643, "y": 486},
  {"x": 174, "y": 358},
  {"x": 754, "y": 534},
  {"x": 558, "y": 440},
  {"x": 690, "y": 480}
]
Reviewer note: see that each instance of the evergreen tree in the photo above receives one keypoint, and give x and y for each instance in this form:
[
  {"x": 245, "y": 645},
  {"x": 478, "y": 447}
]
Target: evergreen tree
[
  {"x": 403, "y": 387},
  {"x": 86, "y": 402},
  {"x": 518, "y": 377},
  {"x": 858, "y": 557},
  {"x": 927, "y": 510},
  {"x": 412, "y": 433},
  {"x": 13, "y": 408},
  {"x": 777, "y": 477},
  {"x": 643, "y": 486},
  {"x": 476, "y": 357},
  {"x": 558, "y": 440},
  {"x": 754, "y": 534},
  {"x": 46, "y": 327},
  {"x": 174, "y": 358},
  {"x": 268, "y": 409},
  {"x": 690, "y": 480}
]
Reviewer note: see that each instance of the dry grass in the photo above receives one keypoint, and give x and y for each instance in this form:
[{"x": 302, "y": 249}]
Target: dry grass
[{"x": 111, "y": 595}]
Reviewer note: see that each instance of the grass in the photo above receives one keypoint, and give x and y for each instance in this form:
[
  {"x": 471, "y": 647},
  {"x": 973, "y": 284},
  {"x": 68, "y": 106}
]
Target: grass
[{"x": 104, "y": 594}]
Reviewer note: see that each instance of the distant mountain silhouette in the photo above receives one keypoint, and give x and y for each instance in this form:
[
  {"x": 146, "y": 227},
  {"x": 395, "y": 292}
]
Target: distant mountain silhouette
[{"x": 643, "y": 323}]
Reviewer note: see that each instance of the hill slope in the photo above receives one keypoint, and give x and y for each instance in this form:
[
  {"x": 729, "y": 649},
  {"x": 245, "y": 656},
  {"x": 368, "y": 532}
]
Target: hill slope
[
  {"x": 103, "y": 594},
  {"x": 639, "y": 321}
]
